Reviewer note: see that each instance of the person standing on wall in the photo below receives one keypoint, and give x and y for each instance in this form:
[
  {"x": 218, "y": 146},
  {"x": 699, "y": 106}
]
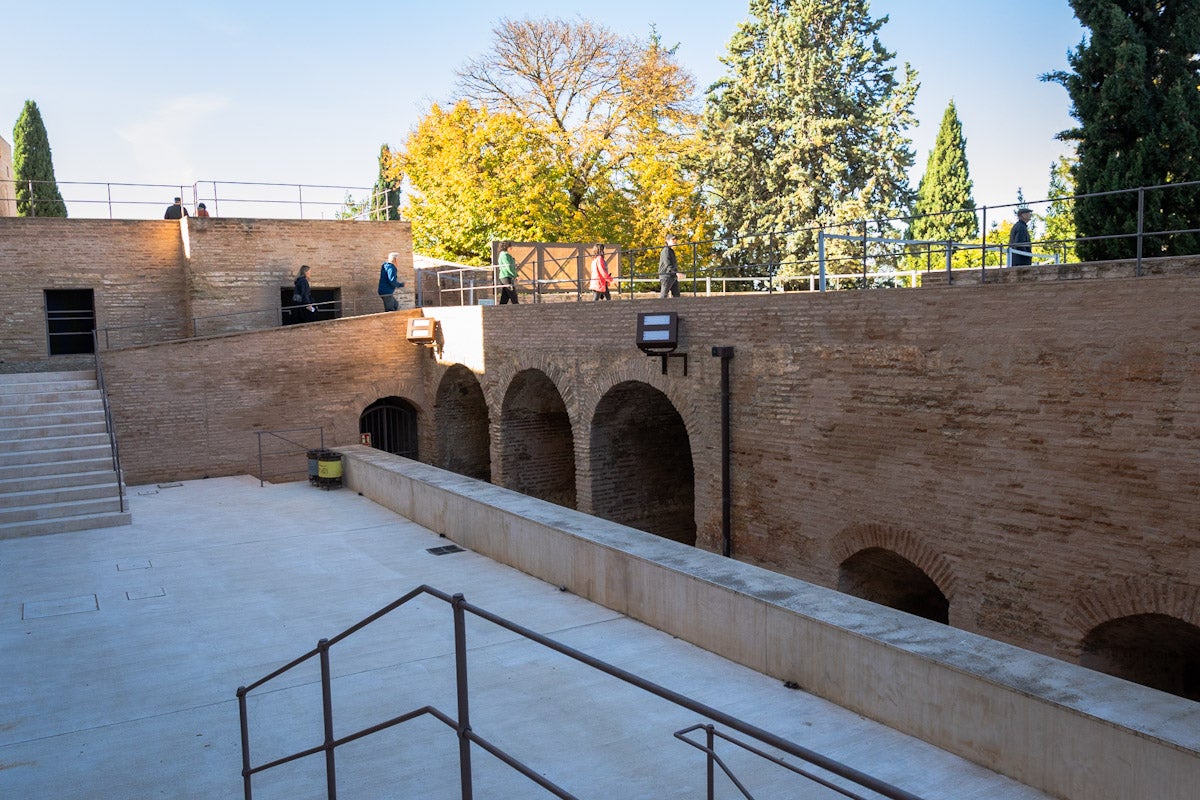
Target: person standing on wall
[
  {"x": 508, "y": 274},
  {"x": 176, "y": 210},
  {"x": 668, "y": 270},
  {"x": 601, "y": 279},
  {"x": 1018, "y": 239},
  {"x": 389, "y": 283},
  {"x": 302, "y": 296}
]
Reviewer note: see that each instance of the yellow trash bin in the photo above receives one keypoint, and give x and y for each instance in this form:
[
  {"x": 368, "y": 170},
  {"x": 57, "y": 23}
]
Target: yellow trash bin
[{"x": 329, "y": 469}]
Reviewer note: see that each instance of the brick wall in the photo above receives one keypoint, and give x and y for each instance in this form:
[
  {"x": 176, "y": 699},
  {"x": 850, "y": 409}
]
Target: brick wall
[
  {"x": 156, "y": 279},
  {"x": 192, "y": 409}
]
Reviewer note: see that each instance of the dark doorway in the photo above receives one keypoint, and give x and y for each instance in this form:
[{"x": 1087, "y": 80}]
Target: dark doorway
[
  {"x": 642, "y": 473},
  {"x": 537, "y": 445},
  {"x": 461, "y": 416},
  {"x": 392, "y": 425},
  {"x": 1151, "y": 649},
  {"x": 70, "y": 320},
  {"x": 327, "y": 301},
  {"x": 884, "y": 577}
]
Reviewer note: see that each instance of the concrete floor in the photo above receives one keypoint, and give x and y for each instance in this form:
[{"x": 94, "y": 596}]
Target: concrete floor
[{"x": 123, "y": 648}]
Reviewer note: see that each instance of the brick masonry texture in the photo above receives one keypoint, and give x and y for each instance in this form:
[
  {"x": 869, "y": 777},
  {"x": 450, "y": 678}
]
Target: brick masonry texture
[{"x": 1031, "y": 447}]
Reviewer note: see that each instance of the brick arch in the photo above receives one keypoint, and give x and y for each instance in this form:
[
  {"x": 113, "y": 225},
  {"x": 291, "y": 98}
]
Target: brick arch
[
  {"x": 462, "y": 418},
  {"x": 902, "y": 542},
  {"x": 409, "y": 390},
  {"x": 643, "y": 370},
  {"x": 1099, "y": 604},
  {"x": 536, "y": 438},
  {"x": 640, "y": 462}
]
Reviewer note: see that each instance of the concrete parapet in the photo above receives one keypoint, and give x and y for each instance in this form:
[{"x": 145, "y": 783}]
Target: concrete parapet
[{"x": 1066, "y": 730}]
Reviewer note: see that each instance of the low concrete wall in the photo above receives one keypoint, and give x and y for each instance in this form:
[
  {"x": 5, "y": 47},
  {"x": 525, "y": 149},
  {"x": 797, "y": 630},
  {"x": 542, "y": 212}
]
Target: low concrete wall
[{"x": 1071, "y": 732}]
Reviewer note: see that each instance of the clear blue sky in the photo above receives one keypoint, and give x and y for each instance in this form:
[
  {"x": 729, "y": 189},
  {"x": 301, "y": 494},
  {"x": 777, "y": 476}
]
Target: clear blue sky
[{"x": 305, "y": 92}]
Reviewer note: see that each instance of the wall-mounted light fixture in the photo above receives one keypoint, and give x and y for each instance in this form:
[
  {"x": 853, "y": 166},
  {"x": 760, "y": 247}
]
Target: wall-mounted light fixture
[
  {"x": 422, "y": 330},
  {"x": 658, "y": 335}
]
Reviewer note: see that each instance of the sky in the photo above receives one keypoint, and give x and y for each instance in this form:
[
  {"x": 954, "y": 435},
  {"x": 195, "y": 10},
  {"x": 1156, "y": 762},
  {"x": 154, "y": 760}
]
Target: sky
[{"x": 261, "y": 91}]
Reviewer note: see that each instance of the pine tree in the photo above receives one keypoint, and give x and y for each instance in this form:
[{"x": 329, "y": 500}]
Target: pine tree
[
  {"x": 946, "y": 187},
  {"x": 806, "y": 128},
  {"x": 385, "y": 198},
  {"x": 33, "y": 169},
  {"x": 1133, "y": 91}
]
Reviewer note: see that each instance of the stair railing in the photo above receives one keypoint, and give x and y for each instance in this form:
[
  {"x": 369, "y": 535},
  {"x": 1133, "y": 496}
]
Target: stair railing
[
  {"x": 294, "y": 448},
  {"x": 108, "y": 421},
  {"x": 468, "y": 736}
]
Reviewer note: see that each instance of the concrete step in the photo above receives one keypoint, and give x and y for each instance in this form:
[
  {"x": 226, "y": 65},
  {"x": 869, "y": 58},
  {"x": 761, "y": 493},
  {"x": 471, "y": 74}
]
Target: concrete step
[
  {"x": 15, "y": 406},
  {"x": 26, "y": 481},
  {"x": 58, "y": 495},
  {"x": 60, "y": 375},
  {"x": 48, "y": 470},
  {"x": 49, "y": 430},
  {"x": 70, "y": 508},
  {"x": 82, "y": 522},
  {"x": 46, "y": 387},
  {"x": 67, "y": 451},
  {"x": 14, "y": 401},
  {"x": 14, "y": 446}
]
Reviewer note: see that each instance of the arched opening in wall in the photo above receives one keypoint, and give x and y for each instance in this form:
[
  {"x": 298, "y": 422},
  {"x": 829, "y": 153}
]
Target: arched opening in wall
[
  {"x": 537, "y": 448},
  {"x": 889, "y": 579},
  {"x": 1154, "y": 650},
  {"x": 461, "y": 416},
  {"x": 392, "y": 424},
  {"x": 641, "y": 461}
]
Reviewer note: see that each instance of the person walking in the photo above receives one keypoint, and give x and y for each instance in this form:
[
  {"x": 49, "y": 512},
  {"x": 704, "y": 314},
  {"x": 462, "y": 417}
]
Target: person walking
[
  {"x": 601, "y": 279},
  {"x": 668, "y": 270},
  {"x": 389, "y": 283},
  {"x": 302, "y": 296},
  {"x": 508, "y": 274},
  {"x": 1018, "y": 239}
]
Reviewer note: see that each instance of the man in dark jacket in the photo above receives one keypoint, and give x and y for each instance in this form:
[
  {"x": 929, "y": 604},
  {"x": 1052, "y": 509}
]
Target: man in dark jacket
[
  {"x": 668, "y": 267},
  {"x": 1018, "y": 240},
  {"x": 176, "y": 210},
  {"x": 388, "y": 283}
]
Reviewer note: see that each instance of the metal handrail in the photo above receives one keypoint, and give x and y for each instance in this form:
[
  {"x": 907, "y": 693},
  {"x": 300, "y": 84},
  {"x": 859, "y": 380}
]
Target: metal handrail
[
  {"x": 262, "y": 476},
  {"x": 709, "y": 748},
  {"x": 108, "y": 420},
  {"x": 462, "y": 724}
]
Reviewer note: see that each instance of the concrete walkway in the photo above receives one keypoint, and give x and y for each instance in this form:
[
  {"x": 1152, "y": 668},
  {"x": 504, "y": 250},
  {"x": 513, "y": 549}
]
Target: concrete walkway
[{"x": 123, "y": 648}]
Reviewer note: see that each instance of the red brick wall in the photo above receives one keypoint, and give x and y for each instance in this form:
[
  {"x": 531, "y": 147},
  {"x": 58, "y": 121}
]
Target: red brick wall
[{"x": 191, "y": 409}]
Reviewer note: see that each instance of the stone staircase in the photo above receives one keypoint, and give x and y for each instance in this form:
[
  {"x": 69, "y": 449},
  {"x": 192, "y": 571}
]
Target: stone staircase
[{"x": 56, "y": 464}]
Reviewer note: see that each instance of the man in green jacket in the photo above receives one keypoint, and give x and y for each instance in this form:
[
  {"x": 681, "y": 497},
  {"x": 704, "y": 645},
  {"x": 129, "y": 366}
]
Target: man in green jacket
[{"x": 508, "y": 275}]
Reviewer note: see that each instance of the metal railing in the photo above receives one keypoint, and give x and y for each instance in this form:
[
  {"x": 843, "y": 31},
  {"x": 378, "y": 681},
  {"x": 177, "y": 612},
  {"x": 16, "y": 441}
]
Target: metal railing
[
  {"x": 108, "y": 422},
  {"x": 288, "y": 452},
  {"x": 114, "y": 200},
  {"x": 461, "y": 724}
]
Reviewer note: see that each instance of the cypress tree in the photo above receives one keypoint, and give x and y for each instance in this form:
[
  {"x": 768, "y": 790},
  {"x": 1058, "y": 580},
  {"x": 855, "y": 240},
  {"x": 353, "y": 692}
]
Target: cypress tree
[
  {"x": 807, "y": 127},
  {"x": 33, "y": 169},
  {"x": 385, "y": 199},
  {"x": 945, "y": 187},
  {"x": 1133, "y": 92}
]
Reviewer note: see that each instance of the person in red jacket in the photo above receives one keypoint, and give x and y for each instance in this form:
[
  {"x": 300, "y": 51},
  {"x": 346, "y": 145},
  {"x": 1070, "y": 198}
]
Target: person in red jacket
[{"x": 601, "y": 279}]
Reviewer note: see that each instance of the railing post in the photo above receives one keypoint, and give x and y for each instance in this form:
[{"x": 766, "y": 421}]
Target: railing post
[
  {"x": 1141, "y": 226},
  {"x": 821, "y": 257},
  {"x": 245, "y": 725},
  {"x": 983, "y": 248},
  {"x": 464, "y": 712},
  {"x": 327, "y": 711},
  {"x": 711, "y": 741},
  {"x": 300, "y": 195},
  {"x": 260, "y": 463}
]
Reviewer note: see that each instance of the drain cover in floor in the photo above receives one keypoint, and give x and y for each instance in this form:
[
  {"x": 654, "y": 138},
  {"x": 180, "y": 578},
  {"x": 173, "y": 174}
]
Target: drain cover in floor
[
  {"x": 444, "y": 549},
  {"x": 56, "y": 608}
]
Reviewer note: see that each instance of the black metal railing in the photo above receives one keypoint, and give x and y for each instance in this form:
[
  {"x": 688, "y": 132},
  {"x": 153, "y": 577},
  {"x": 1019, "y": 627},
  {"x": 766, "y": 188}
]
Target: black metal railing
[
  {"x": 467, "y": 736},
  {"x": 108, "y": 421},
  {"x": 287, "y": 452}
]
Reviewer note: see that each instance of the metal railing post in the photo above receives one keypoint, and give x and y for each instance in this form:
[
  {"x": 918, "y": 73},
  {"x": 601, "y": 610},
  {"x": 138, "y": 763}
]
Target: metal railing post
[
  {"x": 821, "y": 257},
  {"x": 711, "y": 740},
  {"x": 464, "y": 711},
  {"x": 327, "y": 712},
  {"x": 1141, "y": 226},
  {"x": 244, "y": 720},
  {"x": 983, "y": 248}
]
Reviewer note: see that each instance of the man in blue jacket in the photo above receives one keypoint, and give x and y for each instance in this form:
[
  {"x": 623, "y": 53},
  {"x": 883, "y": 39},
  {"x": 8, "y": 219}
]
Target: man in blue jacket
[{"x": 388, "y": 283}]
